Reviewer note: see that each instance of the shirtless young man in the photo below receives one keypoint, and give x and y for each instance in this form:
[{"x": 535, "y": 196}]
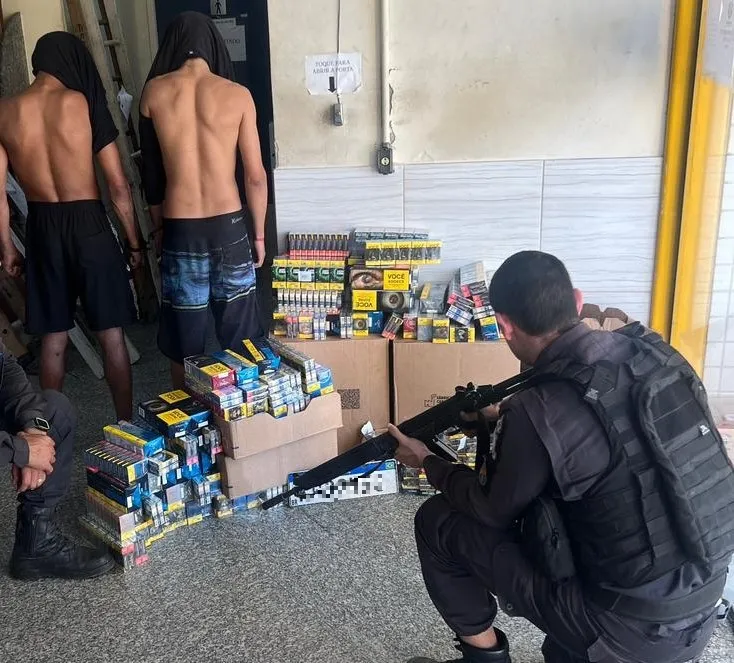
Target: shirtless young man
[
  {"x": 49, "y": 134},
  {"x": 194, "y": 123}
]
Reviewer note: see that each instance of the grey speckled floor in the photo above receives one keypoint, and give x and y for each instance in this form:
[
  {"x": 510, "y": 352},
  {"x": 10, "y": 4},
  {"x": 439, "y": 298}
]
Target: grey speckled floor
[{"x": 327, "y": 584}]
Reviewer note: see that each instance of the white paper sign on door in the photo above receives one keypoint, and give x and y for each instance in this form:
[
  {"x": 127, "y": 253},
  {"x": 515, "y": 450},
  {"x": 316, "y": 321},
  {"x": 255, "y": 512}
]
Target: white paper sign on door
[
  {"x": 332, "y": 73},
  {"x": 234, "y": 37}
]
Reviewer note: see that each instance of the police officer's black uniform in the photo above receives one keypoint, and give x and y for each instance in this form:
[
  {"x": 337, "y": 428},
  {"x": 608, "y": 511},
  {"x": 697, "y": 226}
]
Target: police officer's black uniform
[{"x": 635, "y": 597}]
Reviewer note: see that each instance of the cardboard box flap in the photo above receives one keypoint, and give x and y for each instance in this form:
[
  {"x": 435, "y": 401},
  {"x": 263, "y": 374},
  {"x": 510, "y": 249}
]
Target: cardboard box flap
[{"x": 246, "y": 437}]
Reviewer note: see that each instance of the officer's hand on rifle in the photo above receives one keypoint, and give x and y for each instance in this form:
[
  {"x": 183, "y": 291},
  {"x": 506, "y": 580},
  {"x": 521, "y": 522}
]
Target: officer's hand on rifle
[{"x": 411, "y": 452}]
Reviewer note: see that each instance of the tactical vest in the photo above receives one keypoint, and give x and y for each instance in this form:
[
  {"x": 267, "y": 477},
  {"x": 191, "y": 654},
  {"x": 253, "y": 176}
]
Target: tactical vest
[{"x": 667, "y": 495}]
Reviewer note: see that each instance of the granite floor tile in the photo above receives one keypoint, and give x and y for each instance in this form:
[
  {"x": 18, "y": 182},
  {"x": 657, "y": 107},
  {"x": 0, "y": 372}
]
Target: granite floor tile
[{"x": 316, "y": 584}]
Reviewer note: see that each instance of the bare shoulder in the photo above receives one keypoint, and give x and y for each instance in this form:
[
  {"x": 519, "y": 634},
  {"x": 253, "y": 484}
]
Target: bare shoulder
[
  {"x": 154, "y": 89},
  {"x": 73, "y": 100},
  {"x": 241, "y": 97}
]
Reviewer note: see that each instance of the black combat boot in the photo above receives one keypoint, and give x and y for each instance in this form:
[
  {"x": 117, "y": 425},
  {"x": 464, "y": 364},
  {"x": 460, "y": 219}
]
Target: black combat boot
[
  {"x": 42, "y": 551},
  {"x": 499, "y": 654}
]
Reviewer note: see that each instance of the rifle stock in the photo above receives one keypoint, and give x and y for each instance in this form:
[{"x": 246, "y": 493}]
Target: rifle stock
[{"x": 426, "y": 426}]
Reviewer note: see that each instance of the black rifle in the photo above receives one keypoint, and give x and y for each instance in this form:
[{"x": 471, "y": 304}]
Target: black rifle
[{"x": 426, "y": 426}]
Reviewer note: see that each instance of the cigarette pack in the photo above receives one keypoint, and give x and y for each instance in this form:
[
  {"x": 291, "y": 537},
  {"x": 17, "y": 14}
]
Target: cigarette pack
[
  {"x": 207, "y": 370},
  {"x": 424, "y": 328},
  {"x": 138, "y": 439},
  {"x": 244, "y": 371},
  {"x": 198, "y": 414},
  {"x": 364, "y": 300},
  {"x": 222, "y": 506},
  {"x": 461, "y": 334},
  {"x": 162, "y": 464},
  {"x": 168, "y": 420},
  {"x": 193, "y": 512},
  {"x": 254, "y": 391},
  {"x": 262, "y": 354},
  {"x": 376, "y": 322},
  {"x": 360, "y": 324},
  {"x": 279, "y": 271},
  {"x": 227, "y": 396},
  {"x": 489, "y": 329},
  {"x": 337, "y": 272},
  {"x": 372, "y": 254},
  {"x": 410, "y": 326},
  {"x": 392, "y": 327},
  {"x": 440, "y": 330}
]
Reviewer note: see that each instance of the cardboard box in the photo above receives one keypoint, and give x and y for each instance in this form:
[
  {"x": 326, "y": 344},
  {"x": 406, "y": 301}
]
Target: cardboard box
[
  {"x": 244, "y": 438},
  {"x": 360, "y": 370},
  {"x": 269, "y": 468},
  {"x": 425, "y": 374}
]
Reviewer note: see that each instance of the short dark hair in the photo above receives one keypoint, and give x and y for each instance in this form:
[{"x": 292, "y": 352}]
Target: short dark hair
[{"x": 534, "y": 290}]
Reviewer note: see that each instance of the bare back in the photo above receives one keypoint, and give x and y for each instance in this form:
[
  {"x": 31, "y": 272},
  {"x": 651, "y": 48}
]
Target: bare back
[
  {"x": 48, "y": 138},
  {"x": 198, "y": 119}
]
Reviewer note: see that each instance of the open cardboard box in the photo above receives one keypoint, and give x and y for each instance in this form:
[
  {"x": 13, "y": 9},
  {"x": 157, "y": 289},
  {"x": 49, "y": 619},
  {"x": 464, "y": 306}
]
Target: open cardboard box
[
  {"x": 608, "y": 319},
  {"x": 248, "y": 437},
  {"x": 425, "y": 374},
  {"x": 271, "y": 468},
  {"x": 360, "y": 368}
]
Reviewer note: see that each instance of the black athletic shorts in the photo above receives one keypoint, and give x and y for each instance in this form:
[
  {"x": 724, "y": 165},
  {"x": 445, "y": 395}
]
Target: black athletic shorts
[
  {"x": 206, "y": 263},
  {"x": 72, "y": 253}
]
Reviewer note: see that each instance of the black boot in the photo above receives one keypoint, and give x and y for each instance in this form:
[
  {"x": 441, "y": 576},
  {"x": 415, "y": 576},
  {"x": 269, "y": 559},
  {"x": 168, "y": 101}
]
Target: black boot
[
  {"x": 500, "y": 654},
  {"x": 42, "y": 551}
]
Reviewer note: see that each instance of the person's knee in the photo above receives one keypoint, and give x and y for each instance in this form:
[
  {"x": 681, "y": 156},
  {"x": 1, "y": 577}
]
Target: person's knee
[
  {"x": 111, "y": 339},
  {"x": 430, "y": 516},
  {"x": 60, "y": 413}
]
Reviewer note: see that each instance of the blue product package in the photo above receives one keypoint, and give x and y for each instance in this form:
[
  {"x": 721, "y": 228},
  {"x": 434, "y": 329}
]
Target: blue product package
[
  {"x": 128, "y": 496},
  {"x": 244, "y": 370},
  {"x": 138, "y": 439},
  {"x": 260, "y": 352},
  {"x": 376, "y": 321}
]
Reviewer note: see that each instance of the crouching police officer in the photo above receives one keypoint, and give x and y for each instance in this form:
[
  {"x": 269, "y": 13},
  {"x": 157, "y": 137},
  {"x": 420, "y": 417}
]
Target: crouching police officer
[
  {"x": 615, "y": 434},
  {"x": 37, "y": 440}
]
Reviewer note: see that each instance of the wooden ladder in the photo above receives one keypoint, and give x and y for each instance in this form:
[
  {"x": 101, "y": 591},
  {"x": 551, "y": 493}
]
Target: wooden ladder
[{"x": 97, "y": 24}]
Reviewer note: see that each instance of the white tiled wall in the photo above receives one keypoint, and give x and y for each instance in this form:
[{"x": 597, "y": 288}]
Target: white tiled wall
[
  {"x": 598, "y": 215},
  {"x": 719, "y": 361}
]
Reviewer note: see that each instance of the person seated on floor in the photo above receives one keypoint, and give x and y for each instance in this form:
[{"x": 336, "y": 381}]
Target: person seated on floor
[
  {"x": 198, "y": 129},
  {"x": 37, "y": 440},
  {"x": 642, "y": 577}
]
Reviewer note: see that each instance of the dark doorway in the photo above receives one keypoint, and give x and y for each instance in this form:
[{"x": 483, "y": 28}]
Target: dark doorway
[{"x": 253, "y": 72}]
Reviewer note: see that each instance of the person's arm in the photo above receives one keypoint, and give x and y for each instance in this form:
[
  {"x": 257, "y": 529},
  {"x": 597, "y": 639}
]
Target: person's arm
[
  {"x": 12, "y": 261},
  {"x": 21, "y": 404},
  {"x": 153, "y": 172},
  {"x": 520, "y": 474},
  {"x": 256, "y": 181},
  {"x": 120, "y": 196}
]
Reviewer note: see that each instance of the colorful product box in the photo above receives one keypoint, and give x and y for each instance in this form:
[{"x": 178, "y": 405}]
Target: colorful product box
[
  {"x": 210, "y": 372},
  {"x": 115, "y": 461},
  {"x": 245, "y": 371},
  {"x": 128, "y": 496},
  {"x": 261, "y": 354},
  {"x": 169, "y": 421},
  {"x": 139, "y": 440}
]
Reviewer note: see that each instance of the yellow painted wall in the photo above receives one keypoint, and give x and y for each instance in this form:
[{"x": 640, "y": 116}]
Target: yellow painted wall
[{"x": 39, "y": 17}]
